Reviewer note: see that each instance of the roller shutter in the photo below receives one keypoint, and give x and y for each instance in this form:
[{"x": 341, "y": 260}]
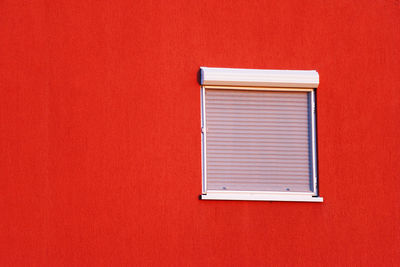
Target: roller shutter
[{"x": 258, "y": 140}]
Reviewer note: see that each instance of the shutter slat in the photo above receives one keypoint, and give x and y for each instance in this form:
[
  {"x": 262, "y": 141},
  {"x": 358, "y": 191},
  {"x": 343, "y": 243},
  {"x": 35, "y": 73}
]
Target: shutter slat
[
  {"x": 238, "y": 120},
  {"x": 245, "y": 95},
  {"x": 251, "y": 168},
  {"x": 253, "y": 173},
  {"x": 256, "y": 157},
  {"x": 277, "y": 128},
  {"x": 234, "y": 165},
  {"x": 262, "y": 181},
  {"x": 275, "y": 134},
  {"x": 252, "y": 116},
  {"x": 215, "y": 140},
  {"x": 260, "y": 112},
  {"x": 258, "y": 106},
  {"x": 264, "y": 161},
  {"x": 234, "y": 125},
  {"x": 264, "y": 145},
  {"x": 271, "y": 149}
]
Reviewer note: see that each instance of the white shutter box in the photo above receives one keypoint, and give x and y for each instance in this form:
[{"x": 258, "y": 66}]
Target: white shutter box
[{"x": 251, "y": 77}]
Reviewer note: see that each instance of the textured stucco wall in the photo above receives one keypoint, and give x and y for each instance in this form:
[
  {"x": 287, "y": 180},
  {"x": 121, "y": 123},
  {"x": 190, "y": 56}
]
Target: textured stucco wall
[{"x": 100, "y": 133}]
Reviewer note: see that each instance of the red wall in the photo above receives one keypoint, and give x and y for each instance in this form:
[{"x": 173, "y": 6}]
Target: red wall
[{"x": 100, "y": 157}]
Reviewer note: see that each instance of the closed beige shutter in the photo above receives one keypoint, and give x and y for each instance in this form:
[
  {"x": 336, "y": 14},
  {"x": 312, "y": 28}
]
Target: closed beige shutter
[{"x": 258, "y": 140}]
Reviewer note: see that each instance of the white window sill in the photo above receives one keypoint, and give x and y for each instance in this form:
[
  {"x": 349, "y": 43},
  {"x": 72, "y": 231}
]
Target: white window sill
[{"x": 261, "y": 197}]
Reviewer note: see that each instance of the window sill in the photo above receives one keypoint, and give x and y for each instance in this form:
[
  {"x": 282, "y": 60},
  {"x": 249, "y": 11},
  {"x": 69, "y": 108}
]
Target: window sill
[{"x": 261, "y": 197}]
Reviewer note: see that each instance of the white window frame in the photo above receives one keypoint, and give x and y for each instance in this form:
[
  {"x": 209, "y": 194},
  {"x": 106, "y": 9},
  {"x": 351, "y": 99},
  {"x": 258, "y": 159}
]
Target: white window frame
[{"x": 265, "y": 80}]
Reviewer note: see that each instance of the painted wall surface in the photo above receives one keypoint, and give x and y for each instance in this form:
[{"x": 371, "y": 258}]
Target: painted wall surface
[{"x": 100, "y": 159}]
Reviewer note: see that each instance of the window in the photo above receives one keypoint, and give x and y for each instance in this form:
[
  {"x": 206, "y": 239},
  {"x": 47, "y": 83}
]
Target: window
[{"x": 259, "y": 135}]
